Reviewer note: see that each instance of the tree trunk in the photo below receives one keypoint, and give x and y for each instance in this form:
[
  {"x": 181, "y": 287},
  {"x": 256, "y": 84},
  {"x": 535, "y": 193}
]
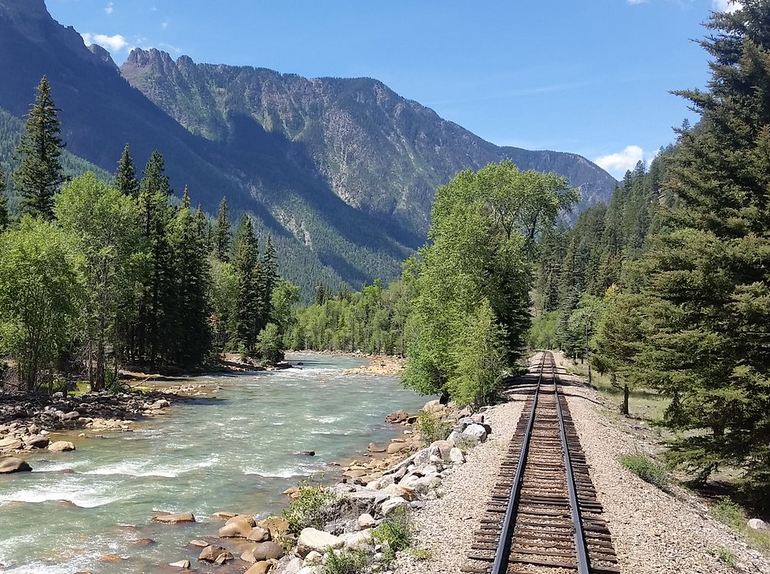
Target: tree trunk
[
  {"x": 590, "y": 376},
  {"x": 626, "y": 393}
]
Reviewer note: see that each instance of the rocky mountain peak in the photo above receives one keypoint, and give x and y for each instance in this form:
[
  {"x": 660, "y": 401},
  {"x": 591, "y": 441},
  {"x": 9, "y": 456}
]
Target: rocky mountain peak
[{"x": 103, "y": 55}]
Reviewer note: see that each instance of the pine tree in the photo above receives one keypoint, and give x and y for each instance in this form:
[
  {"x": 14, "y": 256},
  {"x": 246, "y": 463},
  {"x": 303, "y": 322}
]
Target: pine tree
[
  {"x": 222, "y": 232},
  {"x": 39, "y": 174},
  {"x": 710, "y": 278},
  {"x": 125, "y": 177},
  {"x": 190, "y": 335},
  {"x": 248, "y": 312},
  {"x": 4, "y": 216},
  {"x": 267, "y": 279}
]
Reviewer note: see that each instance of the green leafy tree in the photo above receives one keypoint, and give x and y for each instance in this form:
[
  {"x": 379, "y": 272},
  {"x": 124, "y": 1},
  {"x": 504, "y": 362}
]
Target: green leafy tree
[
  {"x": 105, "y": 227},
  {"x": 248, "y": 313},
  {"x": 39, "y": 173},
  {"x": 125, "y": 177},
  {"x": 285, "y": 298},
  {"x": 270, "y": 344},
  {"x": 40, "y": 297},
  {"x": 222, "y": 232},
  {"x": 710, "y": 281},
  {"x": 482, "y": 236}
]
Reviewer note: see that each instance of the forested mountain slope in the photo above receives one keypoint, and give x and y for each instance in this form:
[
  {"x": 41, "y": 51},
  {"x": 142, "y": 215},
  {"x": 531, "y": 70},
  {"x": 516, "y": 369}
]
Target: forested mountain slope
[{"x": 340, "y": 172}]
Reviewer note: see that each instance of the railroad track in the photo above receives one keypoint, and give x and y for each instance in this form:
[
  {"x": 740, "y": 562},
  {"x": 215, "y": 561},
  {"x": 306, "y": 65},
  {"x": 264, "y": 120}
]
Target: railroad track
[{"x": 543, "y": 516}]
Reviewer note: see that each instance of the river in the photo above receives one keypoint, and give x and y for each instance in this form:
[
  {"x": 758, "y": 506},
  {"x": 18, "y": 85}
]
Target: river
[{"x": 236, "y": 452}]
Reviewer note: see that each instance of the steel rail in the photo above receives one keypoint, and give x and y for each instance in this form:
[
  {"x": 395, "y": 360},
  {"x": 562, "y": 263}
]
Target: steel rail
[
  {"x": 502, "y": 554},
  {"x": 580, "y": 540}
]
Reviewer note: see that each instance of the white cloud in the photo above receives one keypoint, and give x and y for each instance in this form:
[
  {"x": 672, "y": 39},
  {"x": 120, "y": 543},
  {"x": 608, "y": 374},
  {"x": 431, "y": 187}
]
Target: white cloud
[
  {"x": 164, "y": 24},
  {"x": 726, "y": 6},
  {"x": 620, "y": 162},
  {"x": 114, "y": 43},
  {"x": 110, "y": 7},
  {"x": 636, "y": 2}
]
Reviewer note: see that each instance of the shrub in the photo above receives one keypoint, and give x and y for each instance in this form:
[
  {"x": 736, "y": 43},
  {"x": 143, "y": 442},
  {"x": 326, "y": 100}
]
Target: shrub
[
  {"x": 421, "y": 554},
  {"x": 345, "y": 562},
  {"x": 646, "y": 469},
  {"x": 395, "y": 533},
  {"x": 728, "y": 512},
  {"x": 432, "y": 427},
  {"x": 306, "y": 510},
  {"x": 723, "y": 555}
]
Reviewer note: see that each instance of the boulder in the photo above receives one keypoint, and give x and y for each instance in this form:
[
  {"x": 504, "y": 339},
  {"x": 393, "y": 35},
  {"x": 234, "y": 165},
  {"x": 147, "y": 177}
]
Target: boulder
[
  {"x": 267, "y": 551},
  {"x": 478, "y": 418},
  {"x": 366, "y": 521},
  {"x": 293, "y": 566},
  {"x": 456, "y": 455},
  {"x": 12, "y": 464},
  {"x": 427, "y": 470},
  {"x": 260, "y": 568},
  {"x": 178, "y": 518},
  {"x": 757, "y": 524},
  {"x": 199, "y": 543},
  {"x": 441, "y": 449},
  {"x": 398, "y": 490},
  {"x": 237, "y": 527},
  {"x": 358, "y": 540},
  {"x": 375, "y": 448},
  {"x": 212, "y": 553},
  {"x": 454, "y": 438},
  {"x": 61, "y": 446},
  {"x": 160, "y": 404},
  {"x": 11, "y": 443},
  {"x": 421, "y": 457},
  {"x": 183, "y": 564},
  {"x": 397, "y": 417},
  {"x": 259, "y": 534},
  {"x": 224, "y": 515},
  {"x": 70, "y": 416},
  {"x": 393, "y": 504},
  {"x": 37, "y": 441},
  {"x": 313, "y": 558},
  {"x": 311, "y": 539},
  {"x": 276, "y": 525},
  {"x": 433, "y": 407},
  {"x": 396, "y": 447},
  {"x": 477, "y": 432}
]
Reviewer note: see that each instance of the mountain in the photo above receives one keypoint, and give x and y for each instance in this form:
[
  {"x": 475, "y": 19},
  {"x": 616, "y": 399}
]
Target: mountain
[{"x": 341, "y": 172}]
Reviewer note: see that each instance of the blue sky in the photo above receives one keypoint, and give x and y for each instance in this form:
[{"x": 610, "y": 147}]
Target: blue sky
[{"x": 587, "y": 76}]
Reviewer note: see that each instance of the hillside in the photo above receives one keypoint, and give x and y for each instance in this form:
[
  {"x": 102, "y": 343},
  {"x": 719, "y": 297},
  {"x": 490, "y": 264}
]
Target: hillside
[{"x": 341, "y": 172}]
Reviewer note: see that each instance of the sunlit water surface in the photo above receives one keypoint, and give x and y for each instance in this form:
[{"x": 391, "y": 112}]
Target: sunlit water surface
[{"x": 234, "y": 453}]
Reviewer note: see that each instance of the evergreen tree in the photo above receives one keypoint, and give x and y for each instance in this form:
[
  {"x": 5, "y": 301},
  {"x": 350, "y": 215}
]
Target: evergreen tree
[
  {"x": 222, "y": 232},
  {"x": 125, "y": 177},
  {"x": 710, "y": 280},
  {"x": 266, "y": 280},
  {"x": 4, "y": 216},
  {"x": 190, "y": 335},
  {"x": 39, "y": 173},
  {"x": 248, "y": 310}
]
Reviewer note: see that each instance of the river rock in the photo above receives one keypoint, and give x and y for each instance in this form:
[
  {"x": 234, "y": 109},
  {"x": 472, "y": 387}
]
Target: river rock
[
  {"x": 397, "y": 490},
  {"x": 477, "y": 432},
  {"x": 259, "y": 534},
  {"x": 199, "y": 543},
  {"x": 441, "y": 449},
  {"x": 237, "y": 527},
  {"x": 260, "y": 568},
  {"x": 61, "y": 446},
  {"x": 455, "y": 437},
  {"x": 212, "y": 554},
  {"x": 375, "y": 448},
  {"x": 456, "y": 455},
  {"x": 313, "y": 558},
  {"x": 396, "y": 447},
  {"x": 397, "y": 417},
  {"x": 11, "y": 443},
  {"x": 433, "y": 407},
  {"x": 267, "y": 551},
  {"x": 757, "y": 524},
  {"x": 37, "y": 441},
  {"x": 160, "y": 404},
  {"x": 276, "y": 525},
  {"x": 183, "y": 564},
  {"x": 293, "y": 566},
  {"x": 70, "y": 416},
  {"x": 311, "y": 539},
  {"x": 393, "y": 504},
  {"x": 357, "y": 540},
  {"x": 366, "y": 521},
  {"x": 178, "y": 518},
  {"x": 12, "y": 464}
]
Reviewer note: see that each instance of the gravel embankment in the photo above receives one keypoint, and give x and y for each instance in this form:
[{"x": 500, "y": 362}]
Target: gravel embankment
[
  {"x": 445, "y": 525},
  {"x": 653, "y": 532}
]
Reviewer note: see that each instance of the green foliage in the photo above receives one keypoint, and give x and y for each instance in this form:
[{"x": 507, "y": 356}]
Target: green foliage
[
  {"x": 40, "y": 295},
  {"x": 104, "y": 225},
  {"x": 432, "y": 427},
  {"x": 222, "y": 232},
  {"x": 39, "y": 173},
  {"x": 306, "y": 510},
  {"x": 735, "y": 517},
  {"x": 473, "y": 279},
  {"x": 270, "y": 344},
  {"x": 646, "y": 469},
  {"x": 396, "y": 532},
  {"x": 542, "y": 333},
  {"x": 125, "y": 177},
  {"x": 725, "y": 555},
  {"x": 4, "y": 215},
  {"x": 345, "y": 562}
]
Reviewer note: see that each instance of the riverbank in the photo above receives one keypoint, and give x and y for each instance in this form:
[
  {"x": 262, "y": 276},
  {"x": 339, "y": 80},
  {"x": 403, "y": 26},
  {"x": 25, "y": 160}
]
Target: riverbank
[{"x": 386, "y": 365}]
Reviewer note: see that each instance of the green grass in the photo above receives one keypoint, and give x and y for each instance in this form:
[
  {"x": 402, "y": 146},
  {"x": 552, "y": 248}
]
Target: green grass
[
  {"x": 345, "y": 562},
  {"x": 735, "y": 517},
  {"x": 395, "y": 532},
  {"x": 724, "y": 555},
  {"x": 421, "y": 554},
  {"x": 306, "y": 510},
  {"x": 431, "y": 427},
  {"x": 646, "y": 469}
]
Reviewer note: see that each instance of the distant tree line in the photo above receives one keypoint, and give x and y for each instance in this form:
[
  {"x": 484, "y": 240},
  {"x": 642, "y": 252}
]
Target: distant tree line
[{"x": 97, "y": 275}]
